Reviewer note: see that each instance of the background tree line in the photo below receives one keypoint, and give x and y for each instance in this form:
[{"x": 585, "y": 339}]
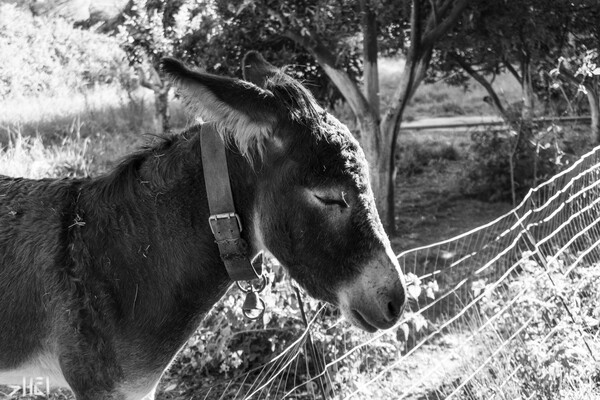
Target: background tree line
[{"x": 334, "y": 46}]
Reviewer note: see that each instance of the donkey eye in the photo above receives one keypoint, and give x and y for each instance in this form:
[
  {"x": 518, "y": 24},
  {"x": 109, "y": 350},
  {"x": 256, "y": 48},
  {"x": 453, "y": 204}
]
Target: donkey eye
[{"x": 333, "y": 202}]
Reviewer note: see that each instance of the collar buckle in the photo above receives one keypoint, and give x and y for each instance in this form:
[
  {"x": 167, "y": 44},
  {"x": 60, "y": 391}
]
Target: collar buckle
[{"x": 213, "y": 221}]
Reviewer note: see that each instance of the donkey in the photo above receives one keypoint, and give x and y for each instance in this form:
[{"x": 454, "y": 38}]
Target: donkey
[{"x": 103, "y": 280}]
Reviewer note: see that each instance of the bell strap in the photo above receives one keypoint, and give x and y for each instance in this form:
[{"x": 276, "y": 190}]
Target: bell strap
[{"x": 225, "y": 223}]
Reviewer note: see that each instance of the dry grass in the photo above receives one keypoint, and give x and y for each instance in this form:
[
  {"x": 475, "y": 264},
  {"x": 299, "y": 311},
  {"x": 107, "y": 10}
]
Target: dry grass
[
  {"x": 441, "y": 100},
  {"x": 78, "y": 135},
  {"x": 437, "y": 99},
  {"x": 74, "y": 156},
  {"x": 28, "y": 157},
  {"x": 107, "y": 110}
]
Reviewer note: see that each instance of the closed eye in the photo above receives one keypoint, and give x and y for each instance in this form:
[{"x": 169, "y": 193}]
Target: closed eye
[{"x": 333, "y": 202}]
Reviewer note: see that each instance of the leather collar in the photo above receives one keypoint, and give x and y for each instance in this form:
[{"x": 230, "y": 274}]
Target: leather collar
[{"x": 225, "y": 223}]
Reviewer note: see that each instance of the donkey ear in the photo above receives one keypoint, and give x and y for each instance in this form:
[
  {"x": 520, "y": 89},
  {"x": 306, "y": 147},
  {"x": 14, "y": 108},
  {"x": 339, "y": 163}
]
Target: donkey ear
[
  {"x": 256, "y": 69},
  {"x": 240, "y": 109}
]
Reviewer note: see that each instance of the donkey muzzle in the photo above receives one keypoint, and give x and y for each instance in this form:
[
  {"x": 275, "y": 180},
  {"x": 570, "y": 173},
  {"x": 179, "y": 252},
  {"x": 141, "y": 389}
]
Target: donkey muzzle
[{"x": 376, "y": 298}]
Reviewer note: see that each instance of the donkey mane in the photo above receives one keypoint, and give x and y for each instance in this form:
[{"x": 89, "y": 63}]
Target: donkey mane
[{"x": 148, "y": 167}]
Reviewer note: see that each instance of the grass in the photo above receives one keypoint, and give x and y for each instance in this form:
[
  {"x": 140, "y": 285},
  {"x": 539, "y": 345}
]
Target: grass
[
  {"x": 78, "y": 135},
  {"x": 441, "y": 100},
  {"x": 29, "y": 157},
  {"x": 108, "y": 109},
  {"x": 74, "y": 156}
]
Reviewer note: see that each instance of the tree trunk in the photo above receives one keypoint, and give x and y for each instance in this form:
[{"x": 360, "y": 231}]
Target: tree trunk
[
  {"x": 370, "y": 122},
  {"x": 413, "y": 75},
  {"x": 528, "y": 94},
  {"x": 161, "y": 107},
  {"x": 161, "y": 87},
  {"x": 377, "y": 155},
  {"x": 592, "y": 96}
]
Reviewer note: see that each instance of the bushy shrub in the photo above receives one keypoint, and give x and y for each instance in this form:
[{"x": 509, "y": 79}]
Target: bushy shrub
[
  {"x": 413, "y": 157},
  {"x": 559, "y": 344},
  {"x": 42, "y": 55},
  {"x": 228, "y": 344},
  {"x": 506, "y": 163}
]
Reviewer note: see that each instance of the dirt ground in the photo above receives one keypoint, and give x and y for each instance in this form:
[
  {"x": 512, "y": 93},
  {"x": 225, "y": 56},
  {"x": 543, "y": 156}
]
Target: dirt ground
[{"x": 430, "y": 206}]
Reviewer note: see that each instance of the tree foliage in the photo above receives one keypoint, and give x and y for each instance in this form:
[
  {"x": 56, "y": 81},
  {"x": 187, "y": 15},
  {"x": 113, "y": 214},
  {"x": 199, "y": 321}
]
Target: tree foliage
[
  {"x": 509, "y": 36},
  {"x": 43, "y": 55},
  {"x": 525, "y": 39},
  {"x": 258, "y": 25},
  {"x": 576, "y": 68},
  {"x": 153, "y": 29}
]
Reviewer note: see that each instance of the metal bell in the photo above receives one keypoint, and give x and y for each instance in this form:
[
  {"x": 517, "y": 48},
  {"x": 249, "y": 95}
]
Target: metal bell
[{"x": 254, "y": 306}]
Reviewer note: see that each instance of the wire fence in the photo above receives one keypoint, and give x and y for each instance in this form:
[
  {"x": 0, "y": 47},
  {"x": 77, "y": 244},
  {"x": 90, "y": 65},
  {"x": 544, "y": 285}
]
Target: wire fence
[{"x": 476, "y": 314}]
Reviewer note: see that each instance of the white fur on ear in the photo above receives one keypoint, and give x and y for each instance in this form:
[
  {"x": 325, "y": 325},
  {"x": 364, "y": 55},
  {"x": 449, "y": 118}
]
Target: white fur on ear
[
  {"x": 242, "y": 112},
  {"x": 249, "y": 135}
]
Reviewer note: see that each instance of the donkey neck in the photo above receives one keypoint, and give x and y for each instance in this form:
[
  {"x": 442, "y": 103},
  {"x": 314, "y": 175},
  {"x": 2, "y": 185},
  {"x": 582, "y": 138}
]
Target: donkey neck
[{"x": 162, "y": 251}]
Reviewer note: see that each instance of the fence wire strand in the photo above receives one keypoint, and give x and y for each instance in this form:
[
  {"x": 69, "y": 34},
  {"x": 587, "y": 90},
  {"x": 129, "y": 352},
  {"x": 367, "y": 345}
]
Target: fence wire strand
[{"x": 556, "y": 226}]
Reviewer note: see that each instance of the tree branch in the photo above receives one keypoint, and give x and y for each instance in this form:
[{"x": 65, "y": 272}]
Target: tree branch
[
  {"x": 435, "y": 31},
  {"x": 156, "y": 77},
  {"x": 340, "y": 78},
  {"x": 434, "y": 12},
  {"x": 482, "y": 81},
  {"x": 144, "y": 81},
  {"x": 568, "y": 75},
  {"x": 406, "y": 87},
  {"x": 445, "y": 5},
  {"x": 512, "y": 70},
  {"x": 415, "y": 30}
]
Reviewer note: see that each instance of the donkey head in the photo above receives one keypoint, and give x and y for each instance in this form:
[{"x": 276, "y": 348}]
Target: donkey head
[{"x": 314, "y": 209}]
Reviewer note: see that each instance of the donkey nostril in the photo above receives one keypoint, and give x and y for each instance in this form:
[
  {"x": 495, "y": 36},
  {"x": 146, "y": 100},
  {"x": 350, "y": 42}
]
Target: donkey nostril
[
  {"x": 395, "y": 306},
  {"x": 393, "y": 310}
]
